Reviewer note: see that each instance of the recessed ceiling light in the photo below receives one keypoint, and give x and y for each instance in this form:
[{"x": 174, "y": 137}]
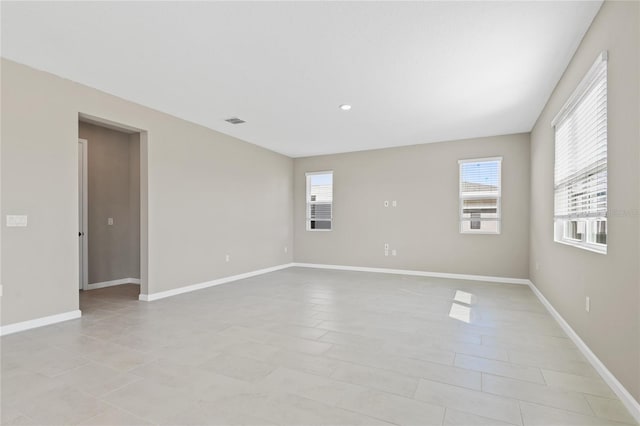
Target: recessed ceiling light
[{"x": 345, "y": 107}]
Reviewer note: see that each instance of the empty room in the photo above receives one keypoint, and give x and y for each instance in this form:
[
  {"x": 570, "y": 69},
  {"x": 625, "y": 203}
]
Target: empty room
[{"x": 320, "y": 213}]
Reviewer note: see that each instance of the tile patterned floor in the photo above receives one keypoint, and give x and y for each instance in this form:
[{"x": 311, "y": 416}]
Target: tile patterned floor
[{"x": 306, "y": 347}]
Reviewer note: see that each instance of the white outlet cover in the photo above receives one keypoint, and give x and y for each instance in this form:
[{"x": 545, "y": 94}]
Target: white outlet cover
[
  {"x": 110, "y": 221},
  {"x": 394, "y": 203},
  {"x": 386, "y": 246},
  {"x": 227, "y": 258},
  {"x": 16, "y": 220},
  {"x": 394, "y": 252},
  {"x": 386, "y": 203}
]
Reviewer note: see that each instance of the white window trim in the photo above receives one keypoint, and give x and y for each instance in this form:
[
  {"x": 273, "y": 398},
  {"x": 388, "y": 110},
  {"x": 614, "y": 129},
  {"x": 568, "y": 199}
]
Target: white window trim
[
  {"x": 584, "y": 245},
  {"x": 576, "y": 96},
  {"x": 306, "y": 202},
  {"x": 461, "y": 198}
]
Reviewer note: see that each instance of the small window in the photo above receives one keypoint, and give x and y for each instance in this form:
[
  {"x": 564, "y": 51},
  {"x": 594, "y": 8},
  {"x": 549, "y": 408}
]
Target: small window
[
  {"x": 480, "y": 193},
  {"x": 580, "y": 175},
  {"x": 319, "y": 201}
]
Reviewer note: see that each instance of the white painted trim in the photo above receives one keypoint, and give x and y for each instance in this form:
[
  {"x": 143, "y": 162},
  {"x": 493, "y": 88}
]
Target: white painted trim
[
  {"x": 629, "y": 401},
  {"x": 111, "y": 283},
  {"x": 39, "y": 322},
  {"x": 187, "y": 289},
  {"x": 476, "y": 160},
  {"x": 506, "y": 280}
]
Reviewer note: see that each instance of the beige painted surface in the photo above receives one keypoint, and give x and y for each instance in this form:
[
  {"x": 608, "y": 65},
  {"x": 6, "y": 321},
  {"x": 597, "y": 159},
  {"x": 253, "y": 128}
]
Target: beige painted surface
[
  {"x": 134, "y": 205},
  {"x": 114, "y": 192},
  {"x": 423, "y": 228},
  {"x": 208, "y": 194},
  {"x": 567, "y": 274}
]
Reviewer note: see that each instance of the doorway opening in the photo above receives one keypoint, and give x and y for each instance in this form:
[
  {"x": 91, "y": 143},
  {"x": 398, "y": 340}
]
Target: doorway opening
[{"x": 112, "y": 215}]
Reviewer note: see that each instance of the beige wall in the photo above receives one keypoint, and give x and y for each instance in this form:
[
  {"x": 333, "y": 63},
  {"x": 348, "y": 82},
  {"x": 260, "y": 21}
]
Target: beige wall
[
  {"x": 565, "y": 275},
  {"x": 134, "y": 205},
  {"x": 114, "y": 192},
  {"x": 424, "y": 180},
  {"x": 208, "y": 194}
]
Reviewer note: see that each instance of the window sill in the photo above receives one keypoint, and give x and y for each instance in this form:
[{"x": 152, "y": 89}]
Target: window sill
[
  {"x": 319, "y": 230},
  {"x": 479, "y": 233},
  {"x": 595, "y": 248}
]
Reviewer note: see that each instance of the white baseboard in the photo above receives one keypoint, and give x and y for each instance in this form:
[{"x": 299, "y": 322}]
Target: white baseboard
[
  {"x": 39, "y": 322},
  {"x": 629, "y": 401},
  {"x": 200, "y": 286},
  {"x": 187, "y": 289},
  {"x": 507, "y": 280},
  {"x": 112, "y": 283}
]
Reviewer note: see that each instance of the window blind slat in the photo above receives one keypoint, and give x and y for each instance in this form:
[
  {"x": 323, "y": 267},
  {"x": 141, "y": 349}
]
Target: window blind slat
[{"x": 580, "y": 170}]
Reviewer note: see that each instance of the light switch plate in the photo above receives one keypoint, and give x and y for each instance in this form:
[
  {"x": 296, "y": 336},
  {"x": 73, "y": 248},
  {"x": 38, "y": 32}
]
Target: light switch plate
[{"x": 16, "y": 220}]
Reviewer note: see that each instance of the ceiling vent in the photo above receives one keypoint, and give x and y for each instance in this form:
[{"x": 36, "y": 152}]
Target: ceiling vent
[{"x": 234, "y": 120}]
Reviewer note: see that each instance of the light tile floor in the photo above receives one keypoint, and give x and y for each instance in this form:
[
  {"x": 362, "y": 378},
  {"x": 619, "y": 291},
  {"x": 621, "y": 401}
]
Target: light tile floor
[{"x": 305, "y": 347}]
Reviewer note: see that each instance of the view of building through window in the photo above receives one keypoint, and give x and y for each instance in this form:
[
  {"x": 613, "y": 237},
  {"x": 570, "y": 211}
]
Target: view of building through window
[
  {"x": 480, "y": 195},
  {"x": 319, "y": 200}
]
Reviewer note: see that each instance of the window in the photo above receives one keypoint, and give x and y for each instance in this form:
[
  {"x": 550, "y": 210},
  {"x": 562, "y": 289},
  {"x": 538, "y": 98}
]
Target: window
[
  {"x": 480, "y": 192},
  {"x": 319, "y": 201},
  {"x": 580, "y": 181}
]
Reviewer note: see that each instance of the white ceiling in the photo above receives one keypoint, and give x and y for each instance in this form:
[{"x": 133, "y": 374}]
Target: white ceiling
[{"x": 415, "y": 72}]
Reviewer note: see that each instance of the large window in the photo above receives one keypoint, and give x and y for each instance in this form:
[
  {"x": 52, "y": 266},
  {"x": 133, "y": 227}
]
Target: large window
[
  {"x": 319, "y": 201},
  {"x": 580, "y": 182},
  {"x": 480, "y": 193}
]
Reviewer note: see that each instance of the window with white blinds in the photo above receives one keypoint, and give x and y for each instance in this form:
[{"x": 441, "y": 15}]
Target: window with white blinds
[
  {"x": 480, "y": 195},
  {"x": 580, "y": 180},
  {"x": 319, "y": 201}
]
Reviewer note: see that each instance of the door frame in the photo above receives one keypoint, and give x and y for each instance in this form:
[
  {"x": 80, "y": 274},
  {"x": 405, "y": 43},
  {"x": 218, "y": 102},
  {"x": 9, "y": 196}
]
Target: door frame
[
  {"x": 85, "y": 215},
  {"x": 144, "y": 189}
]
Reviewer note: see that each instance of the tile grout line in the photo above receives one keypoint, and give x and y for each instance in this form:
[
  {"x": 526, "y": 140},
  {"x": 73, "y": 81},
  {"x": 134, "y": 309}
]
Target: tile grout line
[{"x": 521, "y": 413}]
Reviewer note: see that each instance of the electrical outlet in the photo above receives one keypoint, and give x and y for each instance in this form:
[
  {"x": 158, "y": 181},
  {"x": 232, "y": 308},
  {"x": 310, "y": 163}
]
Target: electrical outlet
[
  {"x": 386, "y": 246},
  {"x": 394, "y": 252},
  {"x": 16, "y": 220},
  {"x": 587, "y": 304},
  {"x": 386, "y": 203},
  {"x": 394, "y": 203},
  {"x": 386, "y": 252},
  {"x": 110, "y": 221},
  {"x": 286, "y": 249},
  {"x": 227, "y": 258}
]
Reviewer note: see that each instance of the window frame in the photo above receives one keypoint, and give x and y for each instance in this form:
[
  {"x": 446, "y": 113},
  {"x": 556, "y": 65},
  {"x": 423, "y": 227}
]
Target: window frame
[
  {"x": 308, "y": 202},
  {"x": 461, "y": 198},
  {"x": 561, "y": 225}
]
